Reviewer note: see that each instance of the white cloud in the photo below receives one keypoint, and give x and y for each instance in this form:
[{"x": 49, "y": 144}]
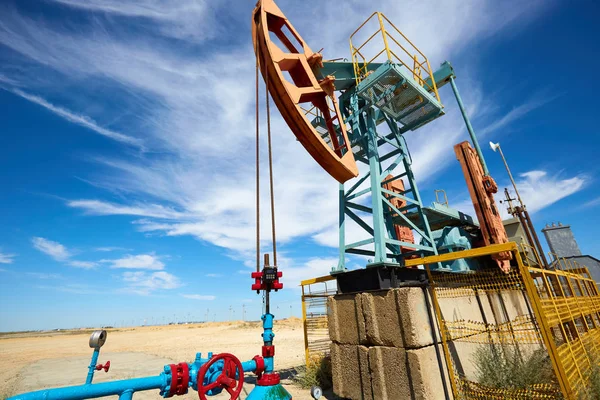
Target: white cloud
[
  {"x": 139, "y": 261},
  {"x": 198, "y": 297},
  {"x": 144, "y": 283},
  {"x": 293, "y": 275},
  {"x": 185, "y": 19},
  {"x": 83, "y": 264},
  {"x": 81, "y": 120},
  {"x": 6, "y": 258},
  {"x": 214, "y": 275},
  {"x": 53, "y": 249},
  {"x": 111, "y": 248},
  {"x": 96, "y": 207},
  {"x": 538, "y": 189}
]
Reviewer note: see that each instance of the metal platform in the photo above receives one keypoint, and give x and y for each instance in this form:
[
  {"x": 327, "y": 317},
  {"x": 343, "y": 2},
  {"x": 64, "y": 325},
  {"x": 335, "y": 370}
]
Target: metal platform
[
  {"x": 440, "y": 216},
  {"x": 391, "y": 89}
]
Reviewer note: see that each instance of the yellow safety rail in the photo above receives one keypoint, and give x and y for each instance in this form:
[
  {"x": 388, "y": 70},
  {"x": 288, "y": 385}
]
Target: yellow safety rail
[
  {"x": 412, "y": 58},
  {"x": 314, "y": 315}
]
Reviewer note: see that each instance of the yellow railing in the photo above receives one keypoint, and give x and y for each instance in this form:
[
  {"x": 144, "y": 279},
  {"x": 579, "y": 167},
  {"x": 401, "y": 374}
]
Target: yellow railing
[{"x": 412, "y": 58}]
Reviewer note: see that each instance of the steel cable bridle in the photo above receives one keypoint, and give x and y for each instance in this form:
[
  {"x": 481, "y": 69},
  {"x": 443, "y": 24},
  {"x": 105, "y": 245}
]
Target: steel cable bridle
[
  {"x": 257, "y": 168},
  {"x": 271, "y": 185},
  {"x": 271, "y": 171}
]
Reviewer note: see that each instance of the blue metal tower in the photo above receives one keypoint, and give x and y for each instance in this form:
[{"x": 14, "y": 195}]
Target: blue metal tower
[{"x": 380, "y": 102}]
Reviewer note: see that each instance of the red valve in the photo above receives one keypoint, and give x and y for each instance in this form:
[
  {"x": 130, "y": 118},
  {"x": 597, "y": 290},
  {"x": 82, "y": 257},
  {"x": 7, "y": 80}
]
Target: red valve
[
  {"x": 105, "y": 367},
  {"x": 227, "y": 380}
]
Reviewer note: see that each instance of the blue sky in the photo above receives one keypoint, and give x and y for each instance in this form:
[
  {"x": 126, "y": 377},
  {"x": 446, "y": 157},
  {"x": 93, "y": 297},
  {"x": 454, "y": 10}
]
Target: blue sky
[{"x": 127, "y": 146}]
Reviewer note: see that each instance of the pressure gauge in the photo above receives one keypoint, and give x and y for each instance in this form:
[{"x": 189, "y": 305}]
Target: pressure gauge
[
  {"x": 97, "y": 339},
  {"x": 316, "y": 392}
]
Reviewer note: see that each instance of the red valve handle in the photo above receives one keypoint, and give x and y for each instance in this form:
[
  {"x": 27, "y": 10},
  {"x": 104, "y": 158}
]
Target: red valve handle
[
  {"x": 105, "y": 367},
  {"x": 226, "y": 380}
]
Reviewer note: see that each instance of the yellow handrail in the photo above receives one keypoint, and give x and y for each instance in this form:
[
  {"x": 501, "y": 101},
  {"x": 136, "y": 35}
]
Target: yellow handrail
[{"x": 421, "y": 69}]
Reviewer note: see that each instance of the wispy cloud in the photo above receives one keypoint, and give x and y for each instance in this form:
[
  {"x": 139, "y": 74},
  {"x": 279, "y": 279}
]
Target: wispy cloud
[
  {"x": 83, "y": 264},
  {"x": 51, "y": 248},
  {"x": 184, "y": 19},
  {"x": 6, "y": 258},
  {"x": 592, "y": 203},
  {"x": 139, "y": 261},
  {"x": 60, "y": 253},
  {"x": 111, "y": 248},
  {"x": 97, "y": 207},
  {"x": 539, "y": 189},
  {"x": 144, "y": 283},
  {"x": 517, "y": 113},
  {"x": 213, "y": 275},
  {"x": 81, "y": 120},
  {"x": 74, "y": 288},
  {"x": 198, "y": 297},
  {"x": 43, "y": 275}
]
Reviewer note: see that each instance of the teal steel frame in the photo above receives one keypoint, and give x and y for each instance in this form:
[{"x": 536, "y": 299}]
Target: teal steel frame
[{"x": 383, "y": 154}]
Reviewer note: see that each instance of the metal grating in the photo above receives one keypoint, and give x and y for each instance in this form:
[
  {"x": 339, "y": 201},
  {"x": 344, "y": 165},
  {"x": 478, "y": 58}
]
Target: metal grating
[
  {"x": 560, "y": 315},
  {"x": 400, "y": 97}
]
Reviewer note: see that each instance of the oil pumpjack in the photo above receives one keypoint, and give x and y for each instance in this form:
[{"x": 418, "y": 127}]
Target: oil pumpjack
[{"x": 337, "y": 110}]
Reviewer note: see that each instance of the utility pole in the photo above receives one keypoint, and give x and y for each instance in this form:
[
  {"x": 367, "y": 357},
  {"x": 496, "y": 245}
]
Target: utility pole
[
  {"x": 291, "y": 314},
  {"x": 230, "y": 310},
  {"x": 521, "y": 212},
  {"x": 243, "y": 312}
]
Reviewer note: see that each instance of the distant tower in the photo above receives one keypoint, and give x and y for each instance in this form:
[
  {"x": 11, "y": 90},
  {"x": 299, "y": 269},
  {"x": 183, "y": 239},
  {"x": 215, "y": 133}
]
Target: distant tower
[{"x": 561, "y": 240}]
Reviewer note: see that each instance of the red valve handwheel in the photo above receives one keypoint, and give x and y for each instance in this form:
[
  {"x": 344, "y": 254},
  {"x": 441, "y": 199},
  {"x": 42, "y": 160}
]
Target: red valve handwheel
[
  {"x": 226, "y": 380},
  {"x": 105, "y": 367}
]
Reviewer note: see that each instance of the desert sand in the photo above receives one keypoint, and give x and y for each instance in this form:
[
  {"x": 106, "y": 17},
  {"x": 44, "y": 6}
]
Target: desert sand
[{"x": 39, "y": 360}]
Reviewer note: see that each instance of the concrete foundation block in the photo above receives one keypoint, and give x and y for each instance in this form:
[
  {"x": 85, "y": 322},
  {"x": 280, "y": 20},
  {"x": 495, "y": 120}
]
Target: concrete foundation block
[
  {"x": 345, "y": 319},
  {"x": 426, "y": 369},
  {"x": 461, "y": 307},
  {"x": 350, "y": 370},
  {"x": 389, "y": 373},
  {"x": 382, "y": 319},
  {"x": 416, "y": 324}
]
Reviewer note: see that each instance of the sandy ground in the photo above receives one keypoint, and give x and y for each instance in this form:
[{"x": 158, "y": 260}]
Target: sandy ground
[{"x": 35, "y": 361}]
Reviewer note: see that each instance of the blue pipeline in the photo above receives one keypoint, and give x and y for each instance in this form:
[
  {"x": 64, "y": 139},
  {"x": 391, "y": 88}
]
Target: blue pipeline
[
  {"x": 127, "y": 387},
  {"x": 92, "y": 366},
  {"x": 268, "y": 336},
  {"x": 118, "y": 388}
]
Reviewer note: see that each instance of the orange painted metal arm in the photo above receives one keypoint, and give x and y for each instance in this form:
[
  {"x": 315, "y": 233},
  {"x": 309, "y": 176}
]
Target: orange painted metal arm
[
  {"x": 286, "y": 63},
  {"x": 482, "y": 189}
]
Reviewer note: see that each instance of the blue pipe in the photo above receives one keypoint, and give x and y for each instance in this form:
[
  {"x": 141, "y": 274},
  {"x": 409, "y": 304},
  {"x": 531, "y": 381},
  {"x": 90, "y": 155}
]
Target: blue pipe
[
  {"x": 268, "y": 337},
  {"x": 123, "y": 388},
  {"x": 126, "y": 395},
  {"x": 92, "y": 366},
  {"x": 469, "y": 126}
]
